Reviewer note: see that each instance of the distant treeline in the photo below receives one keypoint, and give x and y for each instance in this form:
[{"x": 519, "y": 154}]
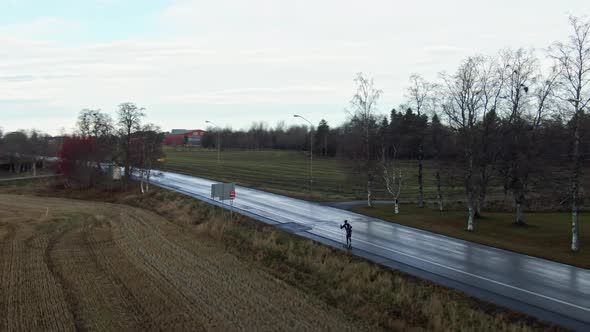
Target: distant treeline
[{"x": 403, "y": 131}]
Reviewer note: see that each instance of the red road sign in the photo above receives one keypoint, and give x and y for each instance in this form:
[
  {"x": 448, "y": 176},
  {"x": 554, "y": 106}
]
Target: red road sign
[{"x": 232, "y": 194}]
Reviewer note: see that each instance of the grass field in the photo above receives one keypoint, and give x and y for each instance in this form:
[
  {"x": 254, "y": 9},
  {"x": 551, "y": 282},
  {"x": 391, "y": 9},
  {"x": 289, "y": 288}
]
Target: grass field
[
  {"x": 287, "y": 172},
  {"x": 70, "y": 264},
  {"x": 547, "y": 234},
  {"x": 73, "y": 265}
]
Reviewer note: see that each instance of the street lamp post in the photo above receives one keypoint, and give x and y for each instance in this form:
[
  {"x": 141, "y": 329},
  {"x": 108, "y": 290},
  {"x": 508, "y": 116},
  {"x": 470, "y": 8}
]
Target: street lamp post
[
  {"x": 310, "y": 153},
  {"x": 218, "y": 142}
]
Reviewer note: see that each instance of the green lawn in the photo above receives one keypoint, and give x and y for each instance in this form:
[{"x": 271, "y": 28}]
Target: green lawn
[
  {"x": 548, "y": 235},
  {"x": 287, "y": 172}
]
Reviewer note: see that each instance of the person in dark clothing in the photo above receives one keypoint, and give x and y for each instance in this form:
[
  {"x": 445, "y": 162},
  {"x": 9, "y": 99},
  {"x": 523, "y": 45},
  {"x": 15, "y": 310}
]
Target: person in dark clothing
[{"x": 348, "y": 229}]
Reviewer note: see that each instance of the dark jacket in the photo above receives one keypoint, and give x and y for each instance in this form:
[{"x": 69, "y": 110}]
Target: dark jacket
[{"x": 348, "y": 229}]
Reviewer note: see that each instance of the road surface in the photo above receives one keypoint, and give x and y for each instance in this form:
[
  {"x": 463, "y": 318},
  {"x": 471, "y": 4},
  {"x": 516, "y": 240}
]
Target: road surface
[{"x": 551, "y": 291}]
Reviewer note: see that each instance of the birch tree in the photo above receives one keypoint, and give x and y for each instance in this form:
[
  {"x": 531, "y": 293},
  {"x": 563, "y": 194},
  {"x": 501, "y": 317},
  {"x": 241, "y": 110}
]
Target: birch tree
[
  {"x": 492, "y": 82},
  {"x": 392, "y": 176},
  {"x": 129, "y": 122},
  {"x": 573, "y": 57},
  {"x": 364, "y": 104},
  {"x": 418, "y": 96},
  {"x": 149, "y": 151},
  {"x": 438, "y": 146},
  {"x": 522, "y": 67},
  {"x": 462, "y": 106},
  {"x": 526, "y": 94}
]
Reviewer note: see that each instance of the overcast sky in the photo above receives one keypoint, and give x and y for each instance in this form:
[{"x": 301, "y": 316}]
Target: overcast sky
[{"x": 234, "y": 62}]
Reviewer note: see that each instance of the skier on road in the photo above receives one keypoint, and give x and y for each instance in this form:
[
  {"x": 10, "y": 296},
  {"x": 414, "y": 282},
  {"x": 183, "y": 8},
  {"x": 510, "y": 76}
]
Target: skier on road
[{"x": 348, "y": 229}]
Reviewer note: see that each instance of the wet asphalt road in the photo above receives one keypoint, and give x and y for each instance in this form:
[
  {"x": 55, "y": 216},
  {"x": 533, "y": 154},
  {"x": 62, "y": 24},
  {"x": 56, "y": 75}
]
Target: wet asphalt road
[{"x": 553, "y": 291}]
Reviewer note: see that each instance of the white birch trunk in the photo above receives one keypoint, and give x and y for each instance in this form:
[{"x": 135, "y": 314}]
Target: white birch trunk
[
  {"x": 141, "y": 181},
  {"x": 147, "y": 181},
  {"x": 519, "y": 214},
  {"x": 576, "y": 185},
  {"x": 575, "y": 246},
  {"x": 469, "y": 190},
  {"x": 393, "y": 182}
]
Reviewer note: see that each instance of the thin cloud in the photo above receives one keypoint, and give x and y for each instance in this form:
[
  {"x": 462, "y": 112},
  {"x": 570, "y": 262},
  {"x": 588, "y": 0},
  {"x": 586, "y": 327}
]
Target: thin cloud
[{"x": 276, "y": 95}]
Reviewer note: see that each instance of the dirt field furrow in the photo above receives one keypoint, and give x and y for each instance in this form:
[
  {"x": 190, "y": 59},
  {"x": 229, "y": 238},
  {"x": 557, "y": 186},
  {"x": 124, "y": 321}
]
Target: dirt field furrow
[
  {"x": 73, "y": 265},
  {"x": 30, "y": 292},
  {"x": 222, "y": 285},
  {"x": 153, "y": 299}
]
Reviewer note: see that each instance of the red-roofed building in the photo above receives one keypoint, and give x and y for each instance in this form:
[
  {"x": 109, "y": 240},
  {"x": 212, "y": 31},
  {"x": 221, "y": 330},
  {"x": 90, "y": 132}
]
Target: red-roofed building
[{"x": 184, "y": 137}]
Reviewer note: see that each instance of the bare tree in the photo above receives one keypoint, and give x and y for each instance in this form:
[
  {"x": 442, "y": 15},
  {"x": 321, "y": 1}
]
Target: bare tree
[
  {"x": 522, "y": 67},
  {"x": 99, "y": 126},
  {"x": 438, "y": 139},
  {"x": 463, "y": 105},
  {"x": 418, "y": 95},
  {"x": 493, "y": 79},
  {"x": 392, "y": 175},
  {"x": 129, "y": 122},
  {"x": 364, "y": 103},
  {"x": 523, "y": 71},
  {"x": 526, "y": 95},
  {"x": 573, "y": 57},
  {"x": 438, "y": 146},
  {"x": 94, "y": 123},
  {"x": 147, "y": 152}
]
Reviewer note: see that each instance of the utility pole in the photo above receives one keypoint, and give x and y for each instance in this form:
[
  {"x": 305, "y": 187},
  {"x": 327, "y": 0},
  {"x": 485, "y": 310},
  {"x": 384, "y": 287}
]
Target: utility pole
[
  {"x": 310, "y": 153},
  {"x": 218, "y": 142}
]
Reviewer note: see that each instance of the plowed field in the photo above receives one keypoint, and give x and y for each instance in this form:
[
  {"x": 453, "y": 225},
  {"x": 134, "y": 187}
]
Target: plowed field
[{"x": 73, "y": 265}]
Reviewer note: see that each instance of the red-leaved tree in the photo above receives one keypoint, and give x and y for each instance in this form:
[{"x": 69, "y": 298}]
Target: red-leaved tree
[{"x": 77, "y": 163}]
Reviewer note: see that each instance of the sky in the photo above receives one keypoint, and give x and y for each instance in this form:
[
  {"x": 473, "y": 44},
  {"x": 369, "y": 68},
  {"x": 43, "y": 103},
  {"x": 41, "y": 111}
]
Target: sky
[{"x": 235, "y": 62}]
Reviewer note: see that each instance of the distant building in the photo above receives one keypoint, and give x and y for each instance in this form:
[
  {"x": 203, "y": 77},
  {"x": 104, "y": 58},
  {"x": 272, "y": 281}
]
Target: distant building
[{"x": 184, "y": 137}]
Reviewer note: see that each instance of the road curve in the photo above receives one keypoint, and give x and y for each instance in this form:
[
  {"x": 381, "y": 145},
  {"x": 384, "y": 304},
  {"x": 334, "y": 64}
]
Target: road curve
[{"x": 551, "y": 291}]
